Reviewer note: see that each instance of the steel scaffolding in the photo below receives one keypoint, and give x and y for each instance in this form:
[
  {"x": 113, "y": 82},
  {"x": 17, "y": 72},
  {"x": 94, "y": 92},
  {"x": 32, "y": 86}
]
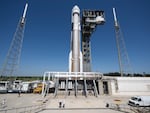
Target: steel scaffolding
[
  {"x": 71, "y": 81},
  {"x": 90, "y": 19}
]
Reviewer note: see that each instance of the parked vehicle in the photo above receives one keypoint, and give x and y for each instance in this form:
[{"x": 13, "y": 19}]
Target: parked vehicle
[
  {"x": 14, "y": 86},
  {"x": 26, "y": 87},
  {"x": 139, "y": 101},
  {"x": 3, "y": 86},
  {"x": 38, "y": 89}
]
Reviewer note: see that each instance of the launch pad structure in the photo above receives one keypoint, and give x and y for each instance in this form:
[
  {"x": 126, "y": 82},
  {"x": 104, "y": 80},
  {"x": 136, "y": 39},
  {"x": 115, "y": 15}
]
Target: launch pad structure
[
  {"x": 72, "y": 83},
  {"x": 80, "y": 78},
  {"x": 90, "y": 20}
]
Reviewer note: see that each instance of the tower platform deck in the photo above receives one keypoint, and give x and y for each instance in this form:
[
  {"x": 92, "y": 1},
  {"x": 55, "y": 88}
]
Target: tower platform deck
[{"x": 72, "y": 82}]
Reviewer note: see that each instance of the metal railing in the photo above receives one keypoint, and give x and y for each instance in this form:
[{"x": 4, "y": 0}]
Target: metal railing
[
  {"x": 52, "y": 75},
  {"x": 26, "y": 109},
  {"x": 56, "y": 76}
]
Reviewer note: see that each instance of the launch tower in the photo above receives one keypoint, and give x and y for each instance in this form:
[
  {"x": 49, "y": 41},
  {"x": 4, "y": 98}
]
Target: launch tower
[{"x": 90, "y": 20}]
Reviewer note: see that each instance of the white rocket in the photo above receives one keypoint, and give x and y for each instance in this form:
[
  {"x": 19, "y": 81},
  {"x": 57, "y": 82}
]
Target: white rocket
[{"x": 75, "y": 56}]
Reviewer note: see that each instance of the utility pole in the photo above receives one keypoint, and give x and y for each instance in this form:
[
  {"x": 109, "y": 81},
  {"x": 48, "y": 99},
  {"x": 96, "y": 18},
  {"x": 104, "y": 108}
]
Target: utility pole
[{"x": 124, "y": 63}]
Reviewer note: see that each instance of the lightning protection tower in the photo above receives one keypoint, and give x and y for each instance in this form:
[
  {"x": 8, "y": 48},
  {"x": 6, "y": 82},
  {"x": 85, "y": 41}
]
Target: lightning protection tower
[
  {"x": 124, "y": 63},
  {"x": 12, "y": 59}
]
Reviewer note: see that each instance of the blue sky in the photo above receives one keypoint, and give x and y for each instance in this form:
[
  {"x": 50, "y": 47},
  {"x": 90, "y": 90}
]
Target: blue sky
[{"x": 46, "y": 43}]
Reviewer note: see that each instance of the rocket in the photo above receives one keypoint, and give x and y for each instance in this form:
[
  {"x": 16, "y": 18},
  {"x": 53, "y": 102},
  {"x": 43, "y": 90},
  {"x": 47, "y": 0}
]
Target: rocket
[
  {"x": 24, "y": 14},
  {"x": 75, "y": 56}
]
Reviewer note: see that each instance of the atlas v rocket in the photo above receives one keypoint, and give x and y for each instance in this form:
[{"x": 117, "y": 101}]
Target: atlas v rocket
[{"x": 75, "y": 56}]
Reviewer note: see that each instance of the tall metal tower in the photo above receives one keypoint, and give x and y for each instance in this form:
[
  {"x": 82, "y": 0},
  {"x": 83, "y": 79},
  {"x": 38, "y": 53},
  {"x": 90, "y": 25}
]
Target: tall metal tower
[
  {"x": 124, "y": 63},
  {"x": 13, "y": 56},
  {"x": 90, "y": 19}
]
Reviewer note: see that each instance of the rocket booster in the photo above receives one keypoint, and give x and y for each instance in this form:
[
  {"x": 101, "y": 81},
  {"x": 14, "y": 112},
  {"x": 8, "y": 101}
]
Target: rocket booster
[
  {"x": 24, "y": 13},
  {"x": 75, "y": 58}
]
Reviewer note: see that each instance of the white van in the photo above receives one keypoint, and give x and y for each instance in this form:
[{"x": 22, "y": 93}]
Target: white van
[{"x": 139, "y": 101}]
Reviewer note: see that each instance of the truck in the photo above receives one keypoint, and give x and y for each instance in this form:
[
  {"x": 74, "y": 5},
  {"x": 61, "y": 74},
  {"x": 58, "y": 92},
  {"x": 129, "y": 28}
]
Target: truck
[
  {"x": 38, "y": 89},
  {"x": 139, "y": 101}
]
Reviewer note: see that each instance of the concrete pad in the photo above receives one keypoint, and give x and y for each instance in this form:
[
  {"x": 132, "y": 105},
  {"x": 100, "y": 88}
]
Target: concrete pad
[{"x": 72, "y": 104}]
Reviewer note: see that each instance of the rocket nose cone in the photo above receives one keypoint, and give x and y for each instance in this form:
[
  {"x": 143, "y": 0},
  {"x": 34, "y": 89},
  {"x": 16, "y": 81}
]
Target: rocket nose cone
[{"x": 76, "y": 9}]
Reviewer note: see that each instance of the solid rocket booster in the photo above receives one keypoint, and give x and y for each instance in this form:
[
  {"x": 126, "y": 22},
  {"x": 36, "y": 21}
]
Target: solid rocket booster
[
  {"x": 24, "y": 13},
  {"x": 75, "y": 58}
]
